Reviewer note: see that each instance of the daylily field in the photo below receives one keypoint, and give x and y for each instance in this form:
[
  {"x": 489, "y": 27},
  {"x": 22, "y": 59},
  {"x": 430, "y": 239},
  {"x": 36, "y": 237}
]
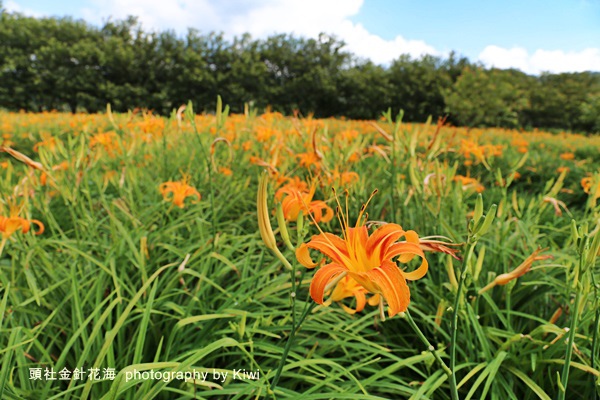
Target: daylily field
[{"x": 248, "y": 256}]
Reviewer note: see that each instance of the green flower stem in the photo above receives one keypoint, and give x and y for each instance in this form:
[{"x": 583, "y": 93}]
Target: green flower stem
[
  {"x": 430, "y": 347},
  {"x": 290, "y": 341},
  {"x": 461, "y": 280}
]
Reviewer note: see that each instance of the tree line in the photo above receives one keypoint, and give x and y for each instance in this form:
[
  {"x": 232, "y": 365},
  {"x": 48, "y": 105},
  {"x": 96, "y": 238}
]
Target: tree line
[{"x": 70, "y": 65}]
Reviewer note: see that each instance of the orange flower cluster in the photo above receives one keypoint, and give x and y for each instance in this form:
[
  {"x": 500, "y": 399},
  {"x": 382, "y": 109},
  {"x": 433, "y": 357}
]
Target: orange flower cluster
[
  {"x": 108, "y": 141},
  {"x": 521, "y": 144},
  {"x": 472, "y": 151}
]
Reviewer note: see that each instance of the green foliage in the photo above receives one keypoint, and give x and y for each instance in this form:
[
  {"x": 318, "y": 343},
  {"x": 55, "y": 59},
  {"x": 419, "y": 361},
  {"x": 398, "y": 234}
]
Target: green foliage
[
  {"x": 418, "y": 85},
  {"x": 62, "y": 64},
  {"x": 482, "y": 97}
]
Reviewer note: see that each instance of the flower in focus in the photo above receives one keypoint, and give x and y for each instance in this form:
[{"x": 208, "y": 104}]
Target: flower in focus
[
  {"x": 367, "y": 260},
  {"x": 348, "y": 287},
  {"x": 177, "y": 192}
]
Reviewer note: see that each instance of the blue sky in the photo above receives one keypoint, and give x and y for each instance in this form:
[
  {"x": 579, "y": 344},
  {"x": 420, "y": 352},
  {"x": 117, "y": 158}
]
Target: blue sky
[
  {"x": 532, "y": 35},
  {"x": 472, "y": 25}
]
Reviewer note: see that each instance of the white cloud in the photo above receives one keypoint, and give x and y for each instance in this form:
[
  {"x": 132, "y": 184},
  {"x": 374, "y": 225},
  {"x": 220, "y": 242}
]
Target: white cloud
[
  {"x": 554, "y": 61},
  {"x": 262, "y": 18},
  {"x": 12, "y": 7},
  {"x": 380, "y": 51}
]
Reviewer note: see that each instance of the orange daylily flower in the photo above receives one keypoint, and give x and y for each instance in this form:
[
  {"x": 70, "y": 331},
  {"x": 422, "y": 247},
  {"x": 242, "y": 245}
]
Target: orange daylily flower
[
  {"x": 521, "y": 270},
  {"x": 367, "y": 259},
  {"x": 177, "y": 192},
  {"x": 591, "y": 187},
  {"x": 299, "y": 199},
  {"x": 309, "y": 159},
  {"x": 11, "y": 224},
  {"x": 471, "y": 149}
]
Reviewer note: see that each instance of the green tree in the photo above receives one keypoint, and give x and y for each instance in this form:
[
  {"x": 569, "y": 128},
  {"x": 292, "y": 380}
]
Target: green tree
[
  {"x": 590, "y": 113},
  {"x": 363, "y": 91},
  {"x": 560, "y": 99},
  {"x": 417, "y": 86},
  {"x": 482, "y": 97}
]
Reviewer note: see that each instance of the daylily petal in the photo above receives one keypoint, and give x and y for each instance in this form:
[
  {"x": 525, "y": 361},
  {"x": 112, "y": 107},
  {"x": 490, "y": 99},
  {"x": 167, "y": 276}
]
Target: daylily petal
[
  {"x": 348, "y": 287},
  {"x": 330, "y": 245},
  {"x": 40, "y": 226},
  {"x": 411, "y": 237},
  {"x": 303, "y": 256},
  {"x": 392, "y": 286},
  {"x": 374, "y": 300},
  {"x": 322, "y": 278},
  {"x": 405, "y": 250},
  {"x": 361, "y": 300},
  {"x": 382, "y": 238},
  {"x": 358, "y": 237},
  {"x": 328, "y": 215},
  {"x": 417, "y": 273}
]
